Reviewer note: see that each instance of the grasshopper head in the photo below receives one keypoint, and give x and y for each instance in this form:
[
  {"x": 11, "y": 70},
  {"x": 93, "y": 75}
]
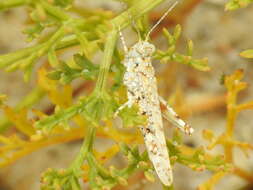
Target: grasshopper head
[{"x": 144, "y": 48}]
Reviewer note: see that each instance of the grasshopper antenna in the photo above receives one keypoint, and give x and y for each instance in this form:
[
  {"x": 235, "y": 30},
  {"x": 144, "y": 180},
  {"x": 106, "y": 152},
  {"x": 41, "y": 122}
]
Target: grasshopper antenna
[{"x": 160, "y": 20}]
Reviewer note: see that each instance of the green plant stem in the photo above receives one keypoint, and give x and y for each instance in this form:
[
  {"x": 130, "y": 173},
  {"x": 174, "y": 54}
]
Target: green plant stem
[
  {"x": 93, "y": 163},
  {"x": 137, "y": 10},
  {"x": 120, "y": 22},
  {"x": 28, "y": 101},
  {"x": 168, "y": 188},
  {"x": 64, "y": 115},
  {"x": 85, "y": 149},
  {"x": 8, "y": 59},
  {"x": 57, "y": 35},
  {"x": 36, "y": 51},
  {"x": 7, "y": 4},
  {"x": 107, "y": 59},
  {"x": 55, "y": 11}
]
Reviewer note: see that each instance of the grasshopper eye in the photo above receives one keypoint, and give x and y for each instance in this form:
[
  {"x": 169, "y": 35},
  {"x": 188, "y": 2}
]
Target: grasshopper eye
[{"x": 150, "y": 49}]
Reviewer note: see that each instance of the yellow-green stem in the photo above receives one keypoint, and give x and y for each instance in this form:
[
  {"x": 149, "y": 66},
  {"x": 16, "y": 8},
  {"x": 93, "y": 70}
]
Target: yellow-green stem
[
  {"x": 85, "y": 149},
  {"x": 231, "y": 116},
  {"x": 32, "y": 98}
]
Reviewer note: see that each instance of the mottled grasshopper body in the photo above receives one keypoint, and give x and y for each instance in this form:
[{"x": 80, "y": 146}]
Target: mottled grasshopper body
[{"x": 141, "y": 84}]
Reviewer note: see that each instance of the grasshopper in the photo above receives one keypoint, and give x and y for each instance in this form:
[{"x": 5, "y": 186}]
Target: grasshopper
[{"x": 141, "y": 84}]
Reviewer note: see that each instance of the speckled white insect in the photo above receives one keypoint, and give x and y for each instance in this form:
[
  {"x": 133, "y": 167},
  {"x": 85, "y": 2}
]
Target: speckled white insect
[{"x": 141, "y": 84}]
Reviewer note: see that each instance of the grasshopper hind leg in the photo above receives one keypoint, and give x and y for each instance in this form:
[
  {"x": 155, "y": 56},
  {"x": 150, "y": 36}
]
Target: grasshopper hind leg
[{"x": 172, "y": 117}]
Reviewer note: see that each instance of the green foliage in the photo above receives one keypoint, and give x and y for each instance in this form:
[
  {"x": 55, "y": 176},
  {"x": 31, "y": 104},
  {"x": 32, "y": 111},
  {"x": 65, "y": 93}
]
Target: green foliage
[
  {"x": 83, "y": 68},
  {"x": 172, "y": 55},
  {"x": 130, "y": 117},
  {"x": 66, "y": 180},
  {"x": 56, "y": 26},
  {"x": 2, "y": 98},
  {"x": 236, "y": 4},
  {"x": 247, "y": 53},
  {"x": 197, "y": 159}
]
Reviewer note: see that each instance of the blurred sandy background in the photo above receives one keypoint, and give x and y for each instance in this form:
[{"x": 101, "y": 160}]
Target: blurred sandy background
[{"x": 218, "y": 35}]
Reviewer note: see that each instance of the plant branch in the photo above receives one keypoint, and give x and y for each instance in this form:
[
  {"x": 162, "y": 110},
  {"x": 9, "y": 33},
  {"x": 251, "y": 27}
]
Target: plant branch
[
  {"x": 107, "y": 59},
  {"x": 28, "y": 101},
  {"x": 7, "y": 4},
  {"x": 85, "y": 149}
]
